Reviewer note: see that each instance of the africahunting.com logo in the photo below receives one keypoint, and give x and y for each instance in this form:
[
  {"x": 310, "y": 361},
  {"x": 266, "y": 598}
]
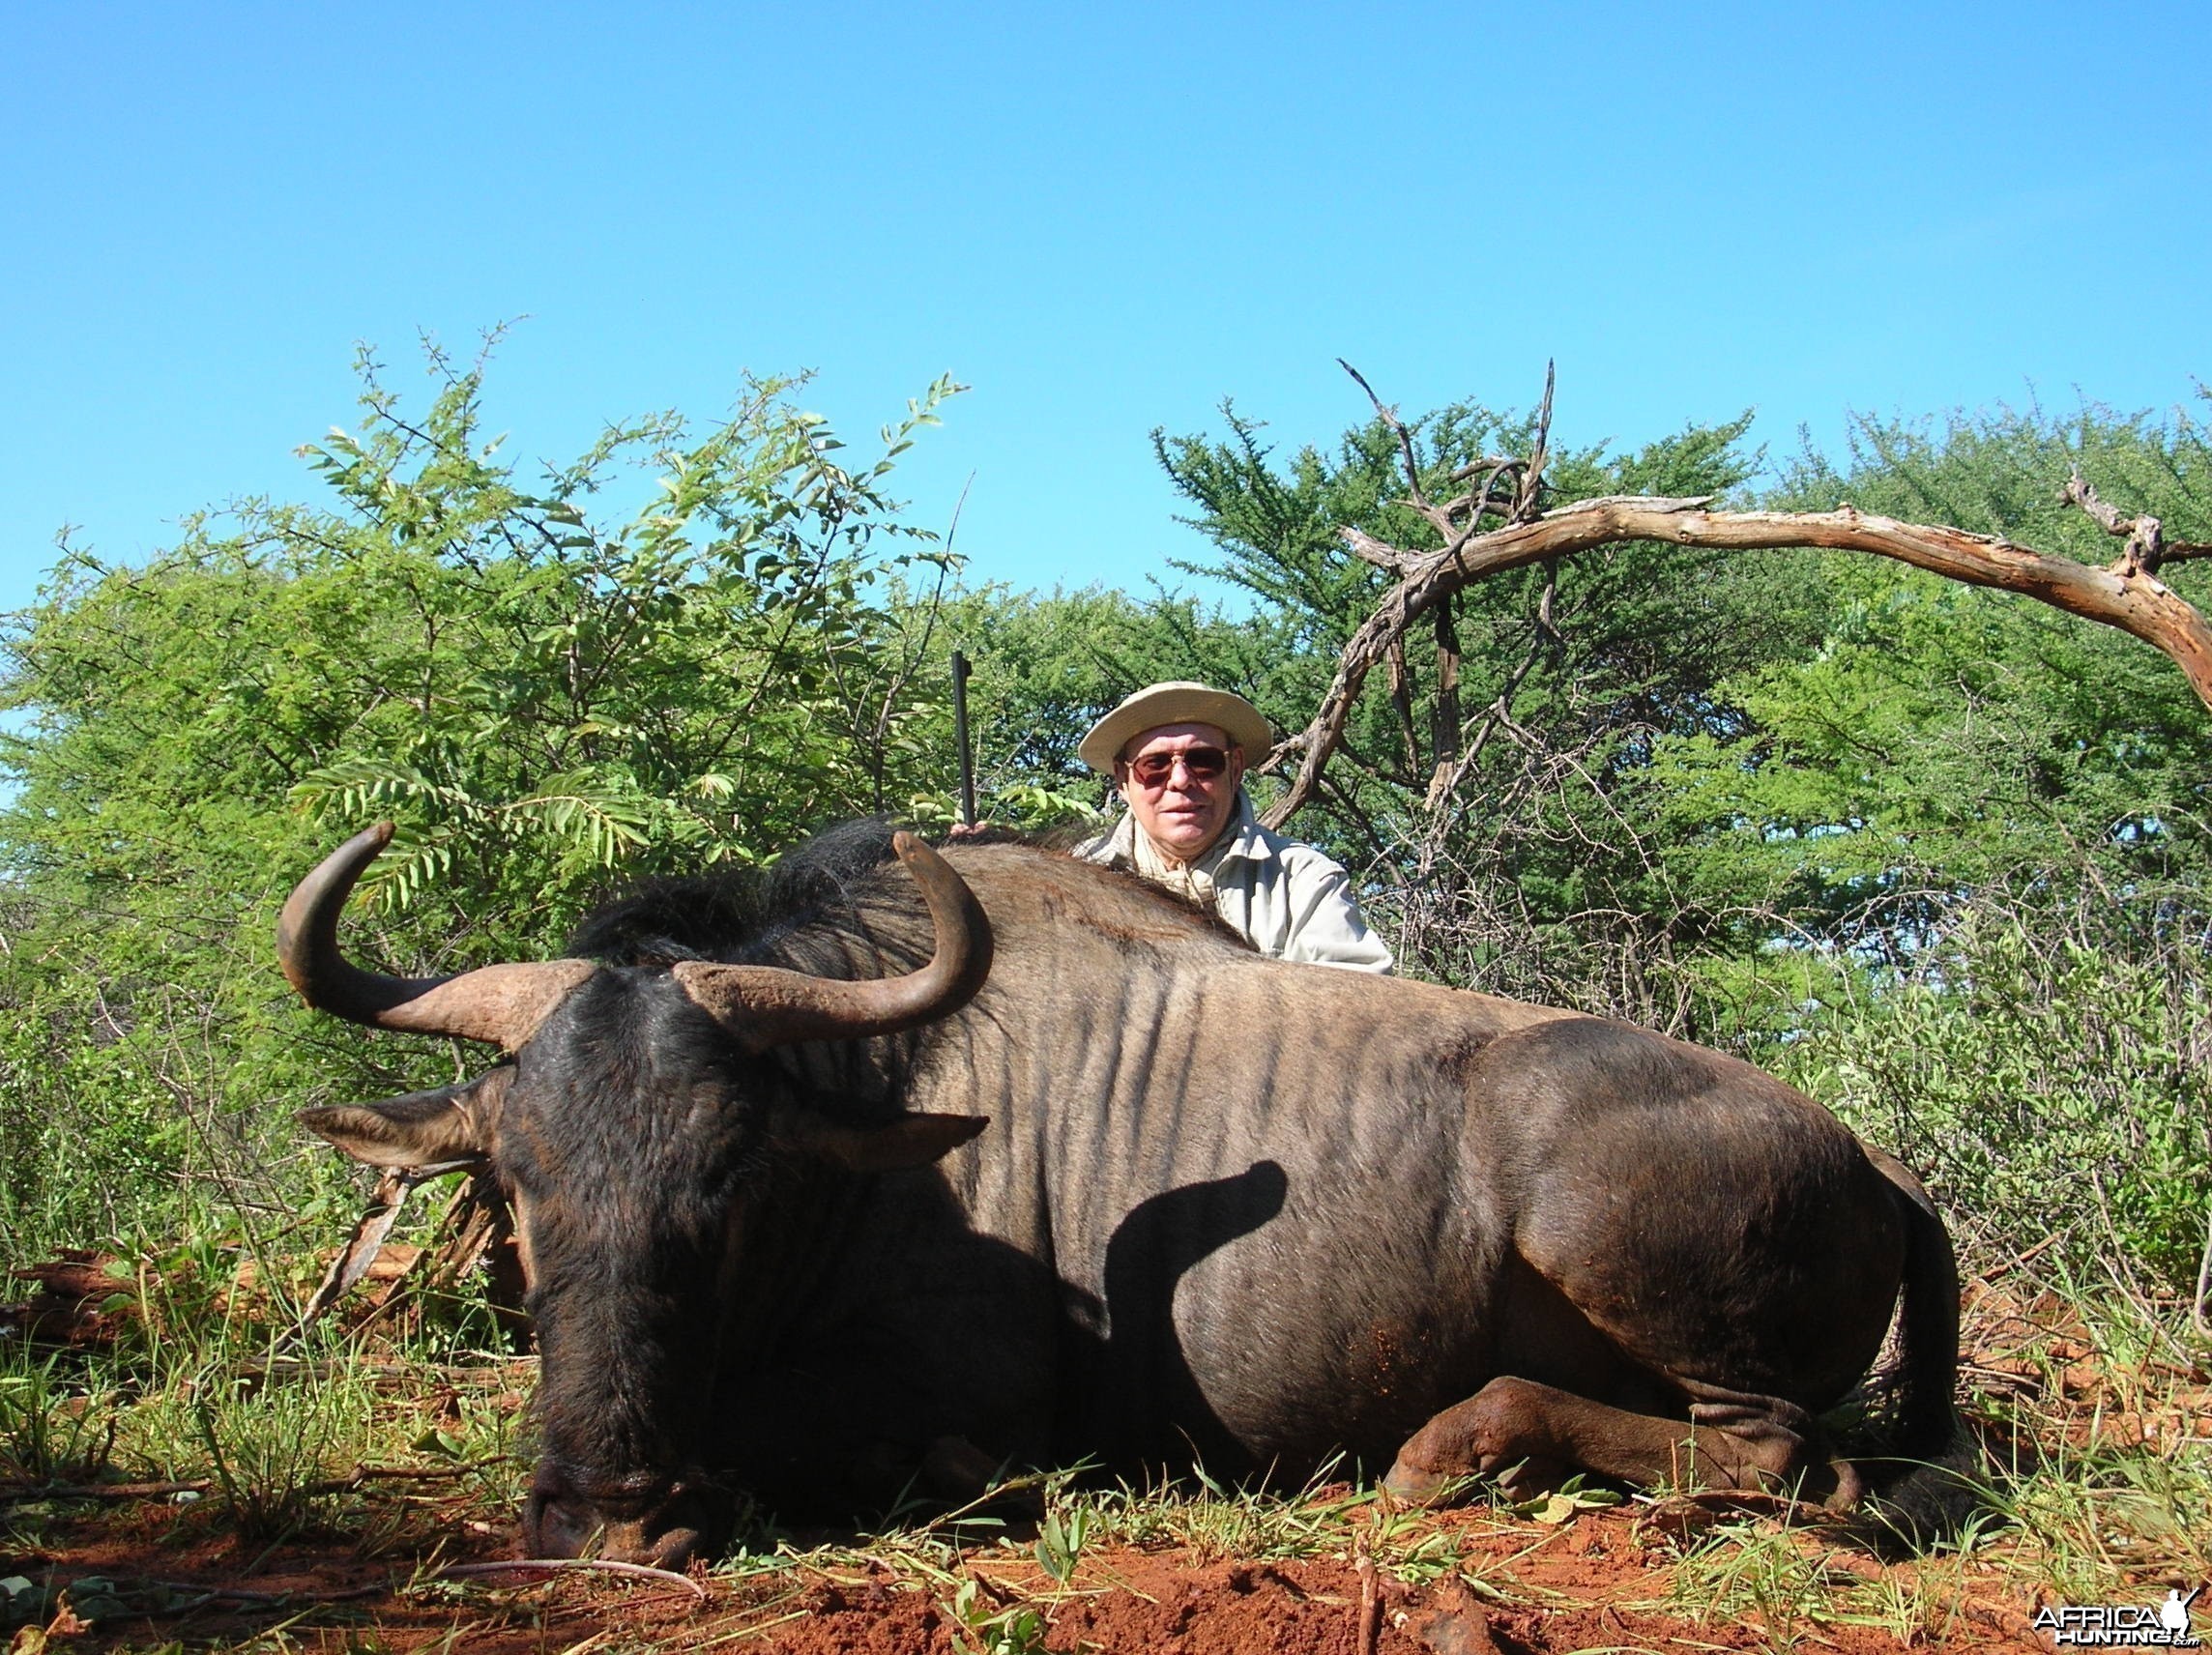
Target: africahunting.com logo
[{"x": 2121, "y": 1626}]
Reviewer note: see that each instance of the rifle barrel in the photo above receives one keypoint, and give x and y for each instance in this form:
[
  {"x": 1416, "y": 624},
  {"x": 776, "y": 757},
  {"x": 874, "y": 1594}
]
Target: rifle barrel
[{"x": 960, "y": 671}]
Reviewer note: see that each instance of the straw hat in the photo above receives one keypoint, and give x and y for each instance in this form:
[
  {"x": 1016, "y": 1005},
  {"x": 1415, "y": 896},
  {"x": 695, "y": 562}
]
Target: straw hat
[{"x": 1181, "y": 702}]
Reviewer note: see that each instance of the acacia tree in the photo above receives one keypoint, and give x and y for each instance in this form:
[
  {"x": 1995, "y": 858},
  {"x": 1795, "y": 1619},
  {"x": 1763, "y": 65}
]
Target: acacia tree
[
  {"x": 1494, "y": 656},
  {"x": 1932, "y": 849},
  {"x": 1491, "y": 780}
]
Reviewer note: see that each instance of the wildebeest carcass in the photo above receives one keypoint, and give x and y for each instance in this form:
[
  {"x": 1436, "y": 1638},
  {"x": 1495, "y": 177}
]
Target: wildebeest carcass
[{"x": 891, "y": 1173}]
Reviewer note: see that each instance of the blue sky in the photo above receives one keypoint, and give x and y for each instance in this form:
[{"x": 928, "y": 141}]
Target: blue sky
[{"x": 1103, "y": 218}]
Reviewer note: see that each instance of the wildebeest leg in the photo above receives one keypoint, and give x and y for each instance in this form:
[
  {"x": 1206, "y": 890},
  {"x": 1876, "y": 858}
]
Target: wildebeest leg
[{"x": 1731, "y": 1440}]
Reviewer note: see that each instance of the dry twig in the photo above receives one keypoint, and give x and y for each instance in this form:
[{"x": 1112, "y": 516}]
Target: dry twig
[
  {"x": 1370, "y": 1627},
  {"x": 598, "y": 1565}
]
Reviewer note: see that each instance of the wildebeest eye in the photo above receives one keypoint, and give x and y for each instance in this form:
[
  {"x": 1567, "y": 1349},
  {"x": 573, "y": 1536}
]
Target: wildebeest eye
[{"x": 662, "y": 951}]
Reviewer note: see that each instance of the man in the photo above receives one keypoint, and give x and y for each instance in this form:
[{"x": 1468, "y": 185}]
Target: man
[{"x": 1178, "y": 754}]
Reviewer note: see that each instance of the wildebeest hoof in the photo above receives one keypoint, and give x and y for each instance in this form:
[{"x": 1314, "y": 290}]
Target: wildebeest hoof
[
  {"x": 1835, "y": 1485},
  {"x": 957, "y": 1471},
  {"x": 1527, "y": 1479},
  {"x": 955, "y": 1468},
  {"x": 1410, "y": 1485}
]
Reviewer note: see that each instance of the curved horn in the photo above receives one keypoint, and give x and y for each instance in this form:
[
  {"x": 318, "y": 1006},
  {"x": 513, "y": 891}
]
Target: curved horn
[
  {"x": 765, "y": 1006},
  {"x": 502, "y": 1005}
]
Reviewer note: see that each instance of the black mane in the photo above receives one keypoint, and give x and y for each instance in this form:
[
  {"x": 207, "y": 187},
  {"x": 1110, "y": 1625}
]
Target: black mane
[
  {"x": 734, "y": 912},
  {"x": 738, "y": 913}
]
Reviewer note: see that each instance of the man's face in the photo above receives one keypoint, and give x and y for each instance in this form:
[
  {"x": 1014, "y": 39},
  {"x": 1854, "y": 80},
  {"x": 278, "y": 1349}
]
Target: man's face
[{"x": 1180, "y": 809}]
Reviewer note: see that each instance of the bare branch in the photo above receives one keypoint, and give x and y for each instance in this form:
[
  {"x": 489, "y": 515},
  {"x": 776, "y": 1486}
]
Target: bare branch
[
  {"x": 550, "y": 1565},
  {"x": 1282, "y": 753},
  {"x": 1648, "y": 502},
  {"x": 1489, "y": 463},
  {"x": 2144, "y": 535},
  {"x": 1383, "y": 556},
  {"x": 1473, "y": 504},
  {"x": 1390, "y": 417},
  {"x": 1444, "y": 717},
  {"x": 2125, "y": 596},
  {"x": 1526, "y": 500},
  {"x": 2077, "y": 491}
]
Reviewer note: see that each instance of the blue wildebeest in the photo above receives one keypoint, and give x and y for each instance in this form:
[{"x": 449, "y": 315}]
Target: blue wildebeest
[{"x": 867, "y": 1174}]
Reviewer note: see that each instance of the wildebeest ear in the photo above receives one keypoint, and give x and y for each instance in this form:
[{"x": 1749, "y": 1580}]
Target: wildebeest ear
[
  {"x": 910, "y": 1140},
  {"x": 419, "y": 1130}
]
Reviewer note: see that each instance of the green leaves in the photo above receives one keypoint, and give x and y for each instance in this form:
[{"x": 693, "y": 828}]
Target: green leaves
[
  {"x": 1938, "y": 736},
  {"x": 549, "y": 703},
  {"x": 1493, "y": 787},
  {"x": 981, "y": 1628},
  {"x": 2040, "y": 1059},
  {"x": 585, "y": 822},
  {"x": 1061, "y": 1539}
]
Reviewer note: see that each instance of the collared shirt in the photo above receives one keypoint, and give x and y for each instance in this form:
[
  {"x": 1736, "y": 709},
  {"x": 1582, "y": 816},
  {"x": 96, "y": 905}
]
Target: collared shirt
[{"x": 1286, "y": 898}]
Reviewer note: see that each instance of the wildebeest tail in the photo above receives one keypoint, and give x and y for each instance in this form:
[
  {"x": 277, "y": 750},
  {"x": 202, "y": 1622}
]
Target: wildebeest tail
[{"x": 1925, "y": 1487}]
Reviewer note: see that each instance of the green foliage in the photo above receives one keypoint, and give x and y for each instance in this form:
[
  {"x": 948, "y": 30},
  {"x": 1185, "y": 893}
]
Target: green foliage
[
  {"x": 544, "y": 703},
  {"x": 1940, "y": 737},
  {"x": 1060, "y": 1538},
  {"x": 275, "y": 1450},
  {"x": 1495, "y": 786},
  {"x": 1047, "y": 666},
  {"x": 2044, "y": 1065},
  {"x": 50, "y": 1430},
  {"x": 2093, "y": 1515},
  {"x": 1974, "y": 832}
]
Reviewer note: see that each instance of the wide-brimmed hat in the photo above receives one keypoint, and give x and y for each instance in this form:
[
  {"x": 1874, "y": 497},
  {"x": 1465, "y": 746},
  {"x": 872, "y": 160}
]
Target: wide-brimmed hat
[{"x": 1178, "y": 703}]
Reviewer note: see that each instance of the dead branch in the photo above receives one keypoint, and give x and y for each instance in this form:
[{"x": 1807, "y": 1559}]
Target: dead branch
[
  {"x": 2126, "y": 594},
  {"x": 2144, "y": 535},
  {"x": 1460, "y": 515},
  {"x": 1444, "y": 721},
  {"x": 1382, "y": 557},
  {"x": 1390, "y": 417},
  {"x": 478, "y": 1229},
  {"x": 1529, "y": 491},
  {"x": 2147, "y": 546},
  {"x": 1368, "y": 1627},
  {"x": 362, "y": 1247},
  {"x": 1446, "y": 782}
]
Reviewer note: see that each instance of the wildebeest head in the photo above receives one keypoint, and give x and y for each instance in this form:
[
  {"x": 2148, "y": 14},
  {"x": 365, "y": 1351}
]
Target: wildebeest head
[{"x": 629, "y": 1121}]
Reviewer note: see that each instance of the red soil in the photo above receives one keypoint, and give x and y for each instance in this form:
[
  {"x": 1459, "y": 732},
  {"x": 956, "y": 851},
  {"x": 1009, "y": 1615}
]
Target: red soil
[
  {"x": 1488, "y": 1586},
  {"x": 1594, "y": 1583}
]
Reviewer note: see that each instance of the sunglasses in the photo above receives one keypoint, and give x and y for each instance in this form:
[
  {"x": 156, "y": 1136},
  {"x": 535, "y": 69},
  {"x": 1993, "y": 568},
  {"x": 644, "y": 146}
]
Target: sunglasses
[{"x": 1200, "y": 764}]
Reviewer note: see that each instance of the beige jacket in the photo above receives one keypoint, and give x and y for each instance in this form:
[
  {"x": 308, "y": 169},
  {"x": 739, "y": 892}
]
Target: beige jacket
[{"x": 1288, "y": 899}]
